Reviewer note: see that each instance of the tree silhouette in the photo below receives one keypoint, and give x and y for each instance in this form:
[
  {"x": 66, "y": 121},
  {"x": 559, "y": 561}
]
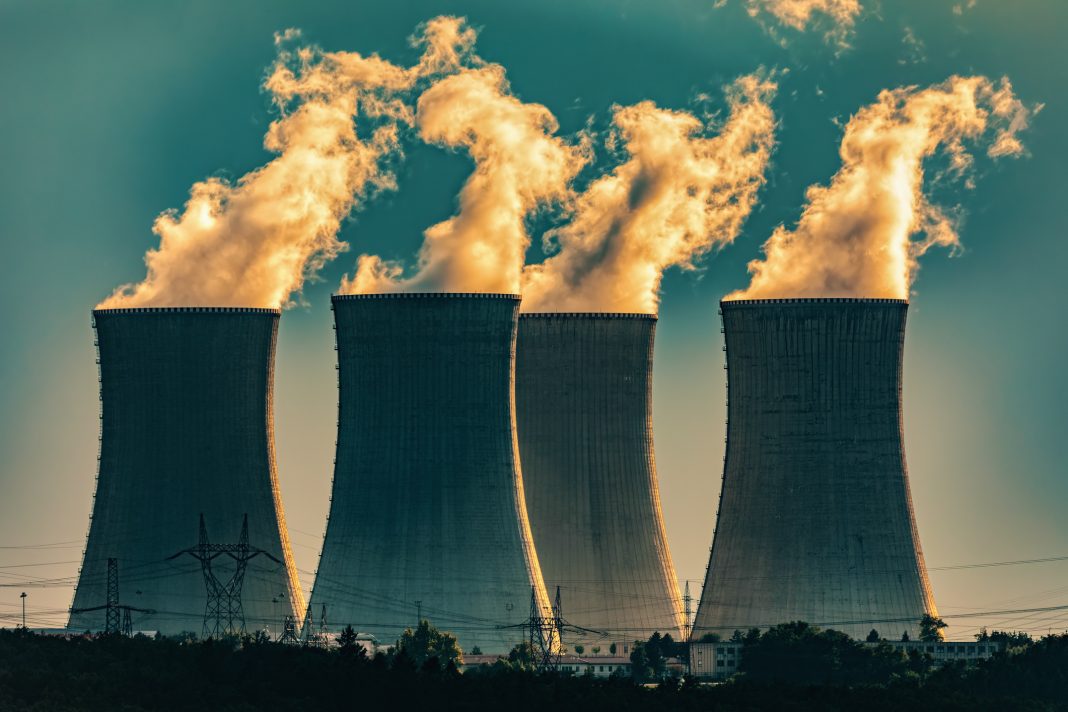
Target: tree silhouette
[
  {"x": 427, "y": 642},
  {"x": 931, "y": 628}
]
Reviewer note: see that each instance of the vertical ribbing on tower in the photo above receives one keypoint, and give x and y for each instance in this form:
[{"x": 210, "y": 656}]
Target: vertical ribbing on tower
[
  {"x": 584, "y": 417},
  {"x": 427, "y": 502},
  {"x": 815, "y": 518}
]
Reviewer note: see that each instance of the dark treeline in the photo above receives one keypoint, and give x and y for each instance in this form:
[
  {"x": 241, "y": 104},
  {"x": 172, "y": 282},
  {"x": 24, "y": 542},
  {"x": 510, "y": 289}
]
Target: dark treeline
[{"x": 45, "y": 673}]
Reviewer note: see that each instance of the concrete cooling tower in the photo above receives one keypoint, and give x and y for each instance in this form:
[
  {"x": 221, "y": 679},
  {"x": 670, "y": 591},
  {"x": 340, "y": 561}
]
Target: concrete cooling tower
[
  {"x": 186, "y": 430},
  {"x": 427, "y": 515},
  {"x": 584, "y": 414},
  {"x": 815, "y": 517}
]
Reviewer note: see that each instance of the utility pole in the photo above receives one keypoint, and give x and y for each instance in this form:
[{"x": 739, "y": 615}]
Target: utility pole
[
  {"x": 558, "y": 621},
  {"x": 224, "y": 613},
  {"x": 688, "y": 604},
  {"x": 23, "y": 597},
  {"x": 323, "y": 639},
  {"x": 116, "y": 616},
  {"x": 308, "y": 635}
]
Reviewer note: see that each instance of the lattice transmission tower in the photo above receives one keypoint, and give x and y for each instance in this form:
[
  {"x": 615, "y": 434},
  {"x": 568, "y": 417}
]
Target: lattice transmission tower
[
  {"x": 543, "y": 634},
  {"x": 116, "y": 615},
  {"x": 224, "y": 614}
]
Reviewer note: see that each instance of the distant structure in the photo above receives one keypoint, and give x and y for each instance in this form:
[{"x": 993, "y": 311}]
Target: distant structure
[
  {"x": 815, "y": 517},
  {"x": 186, "y": 428},
  {"x": 720, "y": 660},
  {"x": 427, "y": 515},
  {"x": 584, "y": 415},
  {"x": 117, "y": 618}
]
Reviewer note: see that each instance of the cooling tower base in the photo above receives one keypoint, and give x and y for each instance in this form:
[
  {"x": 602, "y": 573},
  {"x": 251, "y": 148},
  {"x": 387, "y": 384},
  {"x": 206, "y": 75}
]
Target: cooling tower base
[
  {"x": 186, "y": 430},
  {"x": 427, "y": 513},
  {"x": 584, "y": 415},
  {"x": 815, "y": 520}
]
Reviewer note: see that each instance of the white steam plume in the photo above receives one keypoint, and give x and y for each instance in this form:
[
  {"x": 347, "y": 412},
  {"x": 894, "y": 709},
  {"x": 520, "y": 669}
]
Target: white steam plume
[
  {"x": 862, "y": 235},
  {"x": 519, "y": 166},
  {"x": 679, "y": 194},
  {"x": 254, "y": 241}
]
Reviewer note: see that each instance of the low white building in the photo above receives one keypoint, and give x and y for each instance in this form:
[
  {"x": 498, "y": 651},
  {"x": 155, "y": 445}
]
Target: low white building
[
  {"x": 719, "y": 661},
  {"x": 943, "y": 651},
  {"x": 596, "y": 665}
]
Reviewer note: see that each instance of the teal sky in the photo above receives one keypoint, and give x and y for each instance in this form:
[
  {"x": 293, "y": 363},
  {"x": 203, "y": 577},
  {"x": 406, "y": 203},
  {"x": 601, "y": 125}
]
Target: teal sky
[{"x": 110, "y": 111}]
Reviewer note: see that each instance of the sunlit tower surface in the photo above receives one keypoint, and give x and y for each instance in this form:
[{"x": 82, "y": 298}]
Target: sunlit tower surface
[
  {"x": 584, "y": 416},
  {"x": 427, "y": 508},
  {"x": 186, "y": 428},
  {"x": 815, "y": 516}
]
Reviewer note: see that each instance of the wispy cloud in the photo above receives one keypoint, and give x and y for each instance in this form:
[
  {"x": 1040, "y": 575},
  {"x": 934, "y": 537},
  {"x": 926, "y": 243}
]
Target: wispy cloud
[
  {"x": 961, "y": 7},
  {"x": 834, "y": 18},
  {"x": 915, "y": 49}
]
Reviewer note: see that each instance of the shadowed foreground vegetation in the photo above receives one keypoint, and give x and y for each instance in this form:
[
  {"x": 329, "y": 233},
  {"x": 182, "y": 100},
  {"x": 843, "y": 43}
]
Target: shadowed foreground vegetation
[{"x": 132, "y": 674}]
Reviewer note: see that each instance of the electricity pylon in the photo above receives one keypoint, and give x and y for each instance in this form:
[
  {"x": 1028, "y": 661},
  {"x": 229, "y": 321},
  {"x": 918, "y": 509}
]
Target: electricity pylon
[
  {"x": 289, "y": 631},
  {"x": 116, "y": 616},
  {"x": 224, "y": 613},
  {"x": 544, "y": 634}
]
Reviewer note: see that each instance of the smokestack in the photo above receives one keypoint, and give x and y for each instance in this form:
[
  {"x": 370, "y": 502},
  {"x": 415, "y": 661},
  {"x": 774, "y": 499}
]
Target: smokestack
[
  {"x": 815, "y": 517},
  {"x": 584, "y": 415},
  {"x": 427, "y": 508},
  {"x": 186, "y": 429}
]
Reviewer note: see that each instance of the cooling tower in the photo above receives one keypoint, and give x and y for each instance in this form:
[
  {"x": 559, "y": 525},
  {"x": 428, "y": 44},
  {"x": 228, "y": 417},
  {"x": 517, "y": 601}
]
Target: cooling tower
[
  {"x": 584, "y": 415},
  {"x": 186, "y": 429},
  {"x": 815, "y": 517},
  {"x": 427, "y": 514}
]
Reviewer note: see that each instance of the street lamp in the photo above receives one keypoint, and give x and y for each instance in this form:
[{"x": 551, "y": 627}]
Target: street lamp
[{"x": 23, "y": 597}]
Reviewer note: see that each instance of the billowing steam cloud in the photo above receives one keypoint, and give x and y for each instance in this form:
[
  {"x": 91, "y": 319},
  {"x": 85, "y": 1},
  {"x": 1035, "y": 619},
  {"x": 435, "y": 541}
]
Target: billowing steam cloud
[
  {"x": 861, "y": 236},
  {"x": 254, "y": 241},
  {"x": 839, "y": 15},
  {"x": 519, "y": 166},
  {"x": 679, "y": 194}
]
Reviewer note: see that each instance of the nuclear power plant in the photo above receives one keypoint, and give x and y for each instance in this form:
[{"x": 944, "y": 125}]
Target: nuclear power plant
[
  {"x": 439, "y": 394},
  {"x": 584, "y": 415},
  {"x": 186, "y": 433},
  {"x": 427, "y": 515},
  {"x": 815, "y": 516}
]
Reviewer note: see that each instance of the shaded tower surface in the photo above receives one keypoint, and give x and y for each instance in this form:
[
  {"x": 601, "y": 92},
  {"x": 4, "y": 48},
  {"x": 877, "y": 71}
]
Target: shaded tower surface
[
  {"x": 186, "y": 428},
  {"x": 427, "y": 512},
  {"x": 584, "y": 416},
  {"x": 815, "y": 517}
]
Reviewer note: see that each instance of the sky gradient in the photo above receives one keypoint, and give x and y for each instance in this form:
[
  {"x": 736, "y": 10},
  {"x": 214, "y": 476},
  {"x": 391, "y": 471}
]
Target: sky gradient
[{"x": 111, "y": 111}]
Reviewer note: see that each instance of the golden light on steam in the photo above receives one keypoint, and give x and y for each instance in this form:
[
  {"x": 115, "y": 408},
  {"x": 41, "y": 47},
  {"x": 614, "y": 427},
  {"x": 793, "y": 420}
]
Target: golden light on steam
[{"x": 863, "y": 234}]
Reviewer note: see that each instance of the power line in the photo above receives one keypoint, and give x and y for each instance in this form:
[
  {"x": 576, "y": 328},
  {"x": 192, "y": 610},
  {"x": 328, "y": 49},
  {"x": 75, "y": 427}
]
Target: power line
[{"x": 998, "y": 563}]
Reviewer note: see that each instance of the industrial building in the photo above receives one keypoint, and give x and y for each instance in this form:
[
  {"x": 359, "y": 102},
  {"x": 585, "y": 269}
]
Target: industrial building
[
  {"x": 427, "y": 516},
  {"x": 815, "y": 517},
  {"x": 584, "y": 416},
  {"x": 186, "y": 431},
  {"x": 721, "y": 660}
]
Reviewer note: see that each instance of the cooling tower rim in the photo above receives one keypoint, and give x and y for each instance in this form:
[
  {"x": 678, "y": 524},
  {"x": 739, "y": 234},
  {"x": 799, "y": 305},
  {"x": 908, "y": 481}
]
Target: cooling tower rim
[
  {"x": 424, "y": 295},
  {"x": 805, "y": 301},
  {"x": 587, "y": 315},
  {"x": 187, "y": 310}
]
